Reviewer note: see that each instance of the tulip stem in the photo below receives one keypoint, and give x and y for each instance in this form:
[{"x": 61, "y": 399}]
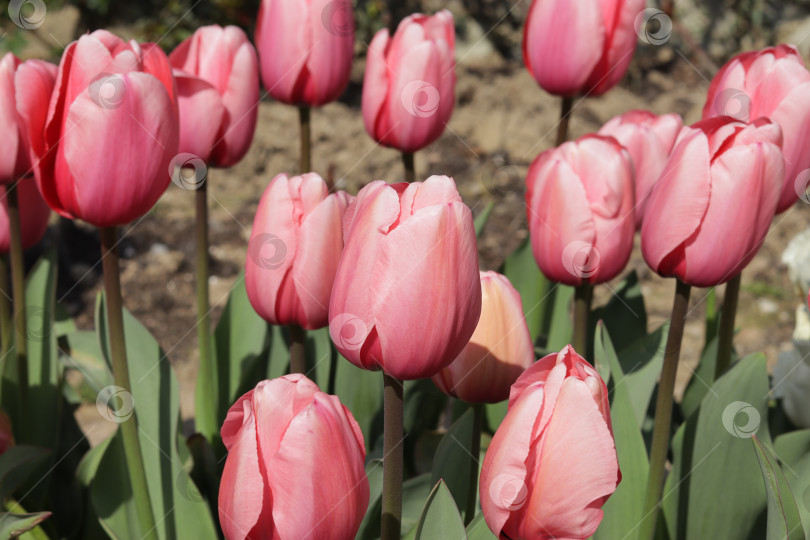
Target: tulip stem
[
  {"x": 475, "y": 450},
  {"x": 725, "y": 334},
  {"x": 6, "y": 328},
  {"x": 118, "y": 351},
  {"x": 566, "y": 105},
  {"x": 298, "y": 352},
  {"x": 18, "y": 286},
  {"x": 392, "y": 459},
  {"x": 410, "y": 166},
  {"x": 306, "y": 139},
  {"x": 583, "y": 295},
  {"x": 663, "y": 411}
]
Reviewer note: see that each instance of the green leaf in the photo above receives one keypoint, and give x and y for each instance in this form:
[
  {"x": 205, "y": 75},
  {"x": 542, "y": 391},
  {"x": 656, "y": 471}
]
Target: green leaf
[
  {"x": 479, "y": 530},
  {"x": 63, "y": 324},
  {"x": 278, "y": 363},
  {"x": 361, "y": 391},
  {"x": 482, "y": 219},
  {"x": 793, "y": 451},
  {"x": 14, "y": 525},
  {"x": 452, "y": 459},
  {"x": 561, "y": 330},
  {"x": 17, "y": 464},
  {"x": 495, "y": 413},
  {"x": 701, "y": 379},
  {"x": 84, "y": 354},
  {"x": 414, "y": 492},
  {"x": 641, "y": 365},
  {"x": 625, "y": 315},
  {"x": 440, "y": 518},
  {"x": 370, "y": 526},
  {"x": 784, "y": 522},
  {"x": 535, "y": 290}
]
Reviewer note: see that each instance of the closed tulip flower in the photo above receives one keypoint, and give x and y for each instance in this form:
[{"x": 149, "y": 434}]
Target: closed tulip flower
[
  {"x": 295, "y": 465},
  {"x": 407, "y": 296},
  {"x": 773, "y": 83},
  {"x": 580, "y": 201},
  {"x": 708, "y": 215},
  {"x": 306, "y": 49},
  {"x": 294, "y": 250},
  {"x": 410, "y": 80},
  {"x": 217, "y": 75},
  {"x": 499, "y": 350},
  {"x": 649, "y": 139},
  {"x": 102, "y": 152},
  {"x": 552, "y": 463},
  {"x": 14, "y": 154},
  {"x": 582, "y": 47},
  {"x": 34, "y": 214}
]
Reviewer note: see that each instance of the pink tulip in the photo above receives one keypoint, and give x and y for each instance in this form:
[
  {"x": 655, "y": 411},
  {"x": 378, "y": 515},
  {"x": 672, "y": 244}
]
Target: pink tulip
[
  {"x": 102, "y": 151},
  {"x": 14, "y": 155},
  {"x": 580, "y": 199},
  {"x": 217, "y": 75},
  {"x": 649, "y": 139},
  {"x": 499, "y": 350},
  {"x": 773, "y": 83},
  {"x": 306, "y": 49},
  {"x": 407, "y": 295},
  {"x": 708, "y": 215},
  {"x": 295, "y": 465},
  {"x": 410, "y": 80},
  {"x": 294, "y": 250},
  {"x": 552, "y": 463},
  {"x": 581, "y": 47},
  {"x": 34, "y": 214}
]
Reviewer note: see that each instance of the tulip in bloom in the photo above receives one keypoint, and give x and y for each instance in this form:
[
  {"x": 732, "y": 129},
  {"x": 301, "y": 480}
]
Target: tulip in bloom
[
  {"x": 580, "y": 47},
  {"x": 708, "y": 215},
  {"x": 552, "y": 463},
  {"x": 294, "y": 250},
  {"x": 217, "y": 75},
  {"x": 306, "y": 49},
  {"x": 14, "y": 154},
  {"x": 410, "y": 80},
  {"x": 295, "y": 465},
  {"x": 34, "y": 214},
  {"x": 773, "y": 83},
  {"x": 407, "y": 296},
  {"x": 649, "y": 139},
  {"x": 102, "y": 148},
  {"x": 499, "y": 350},
  {"x": 580, "y": 199}
]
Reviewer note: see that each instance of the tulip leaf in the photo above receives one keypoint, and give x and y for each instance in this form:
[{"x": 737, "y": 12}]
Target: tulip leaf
[
  {"x": 701, "y": 379},
  {"x": 784, "y": 522},
  {"x": 83, "y": 353},
  {"x": 641, "y": 365},
  {"x": 440, "y": 517},
  {"x": 17, "y": 464},
  {"x": 535, "y": 290},
  {"x": 278, "y": 363},
  {"x": 14, "y": 525},
  {"x": 414, "y": 493},
  {"x": 793, "y": 451},
  {"x": 482, "y": 219},
  {"x": 561, "y": 330},
  {"x": 479, "y": 530},
  {"x": 370, "y": 526},
  {"x": 361, "y": 391},
  {"x": 625, "y": 315},
  {"x": 452, "y": 460},
  {"x": 495, "y": 413}
]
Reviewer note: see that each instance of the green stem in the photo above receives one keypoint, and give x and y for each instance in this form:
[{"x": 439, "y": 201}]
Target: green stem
[
  {"x": 333, "y": 367},
  {"x": 711, "y": 315},
  {"x": 725, "y": 335},
  {"x": 306, "y": 139},
  {"x": 583, "y": 294},
  {"x": 204, "y": 406},
  {"x": 410, "y": 166},
  {"x": 566, "y": 105},
  {"x": 475, "y": 450},
  {"x": 663, "y": 412},
  {"x": 6, "y": 325},
  {"x": 18, "y": 286},
  {"x": 392, "y": 459},
  {"x": 118, "y": 351},
  {"x": 298, "y": 352}
]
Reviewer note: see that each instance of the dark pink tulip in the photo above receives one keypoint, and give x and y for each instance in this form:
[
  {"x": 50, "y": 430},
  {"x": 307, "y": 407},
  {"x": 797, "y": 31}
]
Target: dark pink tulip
[
  {"x": 580, "y": 47},
  {"x": 407, "y": 296},
  {"x": 649, "y": 139},
  {"x": 552, "y": 463},
  {"x": 580, "y": 199},
  {"x": 410, "y": 80},
  {"x": 14, "y": 154},
  {"x": 34, "y": 214},
  {"x": 102, "y": 152},
  {"x": 217, "y": 75},
  {"x": 294, "y": 467},
  {"x": 773, "y": 83},
  {"x": 306, "y": 49},
  {"x": 708, "y": 215},
  {"x": 294, "y": 250}
]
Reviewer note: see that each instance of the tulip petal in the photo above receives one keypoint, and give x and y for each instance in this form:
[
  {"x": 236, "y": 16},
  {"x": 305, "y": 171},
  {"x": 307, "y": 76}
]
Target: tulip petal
[
  {"x": 34, "y": 83},
  {"x": 793, "y": 115},
  {"x": 235, "y": 418},
  {"x": 201, "y": 115},
  {"x": 375, "y": 86},
  {"x": 332, "y": 51},
  {"x": 284, "y": 42}
]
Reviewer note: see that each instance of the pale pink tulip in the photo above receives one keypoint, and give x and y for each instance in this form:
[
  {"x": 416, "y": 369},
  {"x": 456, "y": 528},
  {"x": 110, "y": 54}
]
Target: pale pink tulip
[{"x": 14, "y": 153}]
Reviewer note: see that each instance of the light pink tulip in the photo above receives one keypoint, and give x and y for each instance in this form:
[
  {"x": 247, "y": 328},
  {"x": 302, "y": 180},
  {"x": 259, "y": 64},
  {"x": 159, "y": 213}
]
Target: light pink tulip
[
  {"x": 410, "y": 80},
  {"x": 580, "y": 47},
  {"x": 34, "y": 214},
  {"x": 552, "y": 463},
  {"x": 102, "y": 148},
  {"x": 649, "y": 139},
  {"x": 773, "y": 83},
  {"x": 708, "y": 215},
  {"x": 499, "y": 350},
  {"x": 294, "y": 250},
  {"x": 217, "y": 75},
  {"x": 294, "y": 467},
  {"x": 306, "y": 49},
  {"x": 407, "y": 296},
  {"x": 14, "y": 153},
  {"x": 580, "y": 200}
]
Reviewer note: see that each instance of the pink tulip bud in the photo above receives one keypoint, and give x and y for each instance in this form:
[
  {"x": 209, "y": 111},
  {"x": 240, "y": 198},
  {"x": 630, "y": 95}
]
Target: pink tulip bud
[
  {"x": 306, "y": 49},
  {"x": 294, "y": 467},
  {"x": 294, "y": 250},
  {"x": 552, "y": 463},
  {"x": 34, "y": 214},
  {"x": 580, "y": 47},
  {"x": 217, "y": 75},
  {"x": 773, "y": 83},
  {"x": 14, "y": 153},
  {"x": 580, "y": 199},
  {"x": 499, "y": 350},
  {"x": 649, "y": 139},
  {"x": 407, "y": 296},
  {"x": 410, "y": 80},
  {"x": 102, "y": 148}
]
